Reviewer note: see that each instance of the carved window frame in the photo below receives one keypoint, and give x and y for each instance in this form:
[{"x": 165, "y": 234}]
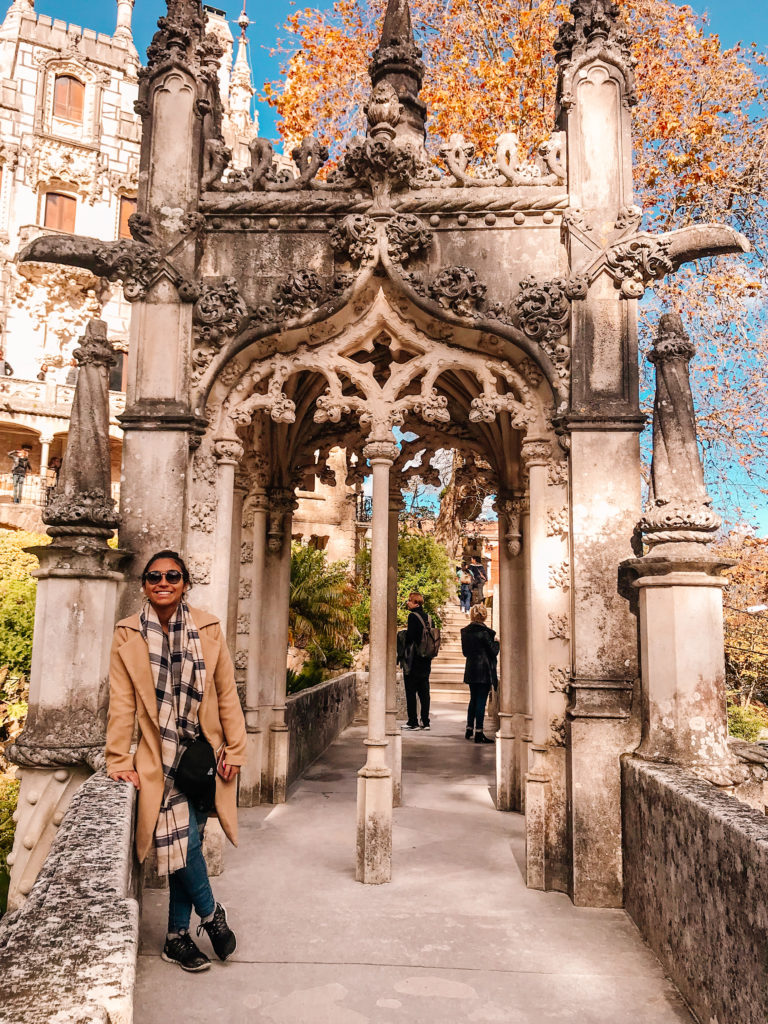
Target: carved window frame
[{"x": 93, "y": 80}]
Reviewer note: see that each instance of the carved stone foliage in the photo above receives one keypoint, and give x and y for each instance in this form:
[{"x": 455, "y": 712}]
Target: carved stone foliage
[
  {"x": 241, "y": 659},
  {"x": 634, "y": 264},
  {"x": 215, "y": 317},
  {"x": 557, "y": 732},
  {"x": 204, "y": 466},
  {"x": 558, "y": 521},
  {"x": 407, "y": 236},
  {"x": 559, "y": 679},
  {"x": 557, "y": 473},
  {"x": 511, "y": 509},
  {"x": 49, "y": 160},
  {"x": 354, "y": 238},
  {"x": 9, "y": 155},
  {"x": 380, "y": 164},
  {"x": 558, "y": 627},
  {"x": 243, "y": 624},
  {"x": 531, "y": 372},
  {"x": 301, "y": 291},
  {"x": 560, "y": 576},
  {"x": 457, "y": 289},
  {"x": 199, "y": 569},
  {"x": 244, "y": 592},
  {"x": 202, "y": 516},
  {"x": 61, "y": 300},
  {"x": 595, "y": 32}
]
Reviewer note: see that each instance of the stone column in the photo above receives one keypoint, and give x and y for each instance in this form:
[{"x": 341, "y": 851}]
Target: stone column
[
  {"x": 535, "y": 454},
  {"x": 250, "y": 776},
  {"x": 229, "y": 451},
  {"x": 45, "y": 447},
  {"x": 513, "y": 678},
  {"x": 394, "y": 736},
  {"x": 282, "y": 505},
  {"x": 63, "y": 739},
  {"x": 374, "y": 785}
]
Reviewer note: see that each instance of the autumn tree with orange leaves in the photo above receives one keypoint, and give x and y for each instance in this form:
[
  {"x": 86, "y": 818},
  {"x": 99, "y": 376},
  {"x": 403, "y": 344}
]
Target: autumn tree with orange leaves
[{"x": 701, "y": 153}]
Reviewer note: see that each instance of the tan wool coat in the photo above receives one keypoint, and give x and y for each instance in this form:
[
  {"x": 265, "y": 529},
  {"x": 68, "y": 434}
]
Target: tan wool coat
[{"x": 132, "y": 696}]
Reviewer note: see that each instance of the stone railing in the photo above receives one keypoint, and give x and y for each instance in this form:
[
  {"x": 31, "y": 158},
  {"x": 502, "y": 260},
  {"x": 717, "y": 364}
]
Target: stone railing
[
  {"x": 69, "y": 953},
  {"x": 315, "y": 717},
  {"x": 46, "y": 396},
  {"x": 695, "y": 879}
]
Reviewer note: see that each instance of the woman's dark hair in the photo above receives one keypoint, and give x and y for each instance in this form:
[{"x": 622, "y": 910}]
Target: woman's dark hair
[{"x": 175, "y": 557}]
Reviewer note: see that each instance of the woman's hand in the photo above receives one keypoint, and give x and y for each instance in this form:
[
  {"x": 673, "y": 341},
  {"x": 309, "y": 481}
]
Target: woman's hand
[
  {"x": 227, "y": 771},
  {"x": 132, "y": 777}
]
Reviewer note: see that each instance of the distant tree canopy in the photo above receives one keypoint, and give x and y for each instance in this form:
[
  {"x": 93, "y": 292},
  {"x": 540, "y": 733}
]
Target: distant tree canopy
[{"x": 701, "y": 153}]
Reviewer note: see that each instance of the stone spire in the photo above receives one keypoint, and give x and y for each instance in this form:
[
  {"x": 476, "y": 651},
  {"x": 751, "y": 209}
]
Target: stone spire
[
  {"x": 82, "y": 505},
  {"x": 679, "y": 509},
  {"x": 597, "y": 31},
  {"x": 397, "y": 62},
  {"x": 123, "y": 29},
  {"x": 241, "y": 89}
]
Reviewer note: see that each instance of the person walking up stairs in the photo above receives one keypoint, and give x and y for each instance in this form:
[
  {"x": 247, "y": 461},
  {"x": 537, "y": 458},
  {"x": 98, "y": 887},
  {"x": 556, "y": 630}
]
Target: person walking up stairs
[{"x": 447, "y": 676}]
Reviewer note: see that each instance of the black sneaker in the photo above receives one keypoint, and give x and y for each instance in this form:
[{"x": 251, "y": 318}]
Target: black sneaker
[
  {"x": 426, "y": 727},
  {"x": 221, "y": 935},
  {"x": 183, "y": 951},
  {"x": 409, "y": 726}
]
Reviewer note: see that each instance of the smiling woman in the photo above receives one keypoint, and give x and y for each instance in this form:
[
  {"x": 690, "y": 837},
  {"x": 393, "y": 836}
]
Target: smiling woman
[{"x": 170, "y": 670}]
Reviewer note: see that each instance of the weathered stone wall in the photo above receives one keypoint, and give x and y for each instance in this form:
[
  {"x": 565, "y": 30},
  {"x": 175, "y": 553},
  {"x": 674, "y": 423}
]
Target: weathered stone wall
[
  {"x": 315, "y": 717},
  {"x": 695, "y": 879},
  {"x": 69, "y": 954}
]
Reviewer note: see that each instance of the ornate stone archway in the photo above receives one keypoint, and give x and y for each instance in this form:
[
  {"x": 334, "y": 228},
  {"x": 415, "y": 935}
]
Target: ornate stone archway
[{"x": 244, "y": 279}]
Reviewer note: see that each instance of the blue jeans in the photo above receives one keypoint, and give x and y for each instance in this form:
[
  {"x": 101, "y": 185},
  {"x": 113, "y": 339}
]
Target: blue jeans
[
  {"x": 189, "y": 886},
  {"x": 478, "y": 698},
  {"x": 465, "y": 596}
]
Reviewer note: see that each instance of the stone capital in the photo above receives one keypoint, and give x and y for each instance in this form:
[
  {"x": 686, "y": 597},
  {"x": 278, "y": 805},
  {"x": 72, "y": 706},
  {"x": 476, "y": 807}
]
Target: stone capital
[
  {"x": 228, "y": 450},
  {"x": 536, "y": 451},
  {"x": 381, "y": 451}
]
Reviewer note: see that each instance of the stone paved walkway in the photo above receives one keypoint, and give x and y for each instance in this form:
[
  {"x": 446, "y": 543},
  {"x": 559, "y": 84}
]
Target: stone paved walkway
[{"x": 454, "y": 937}]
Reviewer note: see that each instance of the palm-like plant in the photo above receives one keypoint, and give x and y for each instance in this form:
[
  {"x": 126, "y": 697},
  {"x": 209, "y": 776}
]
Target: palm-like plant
[{"x": 320, "y": 603}]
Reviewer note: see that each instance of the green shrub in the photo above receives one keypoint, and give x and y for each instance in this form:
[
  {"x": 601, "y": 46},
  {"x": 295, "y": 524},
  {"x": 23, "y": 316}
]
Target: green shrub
[
  {"x": 310, "y": 675},
  {"x": 321, "y": 598},
  {"x": 9, "y": 795},
  {"x": 746, "y": 723},
  {"x": 17, "y": 623}
]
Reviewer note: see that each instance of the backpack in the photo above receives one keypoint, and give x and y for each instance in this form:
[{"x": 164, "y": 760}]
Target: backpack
[{"x": 429, "y": 645}]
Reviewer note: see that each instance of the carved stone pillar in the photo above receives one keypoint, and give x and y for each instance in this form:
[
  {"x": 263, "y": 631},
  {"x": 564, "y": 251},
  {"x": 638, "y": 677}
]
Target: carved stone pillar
[
  {"x": 513, "y": 655},
  {"x": 45, "y": 447},
  {"x": 63, "y": 739},
  {"x": 535, "y": 454},
  {"x": 229, "y": 451},
  {"x": 282, "y": 503},
  {"x": 374, "y": 785},
  {"x": 394, "y": 736},
  {"x": 680, "y": 592},
  {"x": 239, "y": 491},
  {"x": 250, "y": 776}
]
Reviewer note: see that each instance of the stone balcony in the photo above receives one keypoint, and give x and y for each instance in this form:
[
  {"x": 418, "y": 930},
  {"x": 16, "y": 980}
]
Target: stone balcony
[{"x": 46, "y": 397}]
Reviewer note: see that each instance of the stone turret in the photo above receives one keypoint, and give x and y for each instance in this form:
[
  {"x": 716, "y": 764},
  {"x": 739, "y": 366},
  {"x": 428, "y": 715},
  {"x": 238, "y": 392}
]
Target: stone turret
[{"x": 397, "y": 62}]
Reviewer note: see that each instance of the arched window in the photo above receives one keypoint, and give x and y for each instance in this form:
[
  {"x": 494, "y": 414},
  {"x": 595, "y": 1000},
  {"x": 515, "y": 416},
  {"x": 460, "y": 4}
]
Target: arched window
[
  {"x": 68, "y": 98},
  {"x": 60, "y": 212}
]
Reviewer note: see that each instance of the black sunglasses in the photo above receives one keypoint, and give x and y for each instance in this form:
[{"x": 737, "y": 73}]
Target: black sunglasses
[{"x": 172, "y": 576}]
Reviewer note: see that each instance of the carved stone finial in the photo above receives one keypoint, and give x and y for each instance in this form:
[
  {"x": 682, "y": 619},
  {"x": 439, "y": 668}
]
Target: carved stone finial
[
  {"x": 397, "y": 61},
  {"x": 82, "y": 504},
  {"x": 596, "y": 31},
  {"x": 679, "y": 509}
]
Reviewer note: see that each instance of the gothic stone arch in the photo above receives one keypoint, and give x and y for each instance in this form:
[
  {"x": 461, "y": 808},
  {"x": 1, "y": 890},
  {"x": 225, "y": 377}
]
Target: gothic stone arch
[{"x": 542, "y": 258}]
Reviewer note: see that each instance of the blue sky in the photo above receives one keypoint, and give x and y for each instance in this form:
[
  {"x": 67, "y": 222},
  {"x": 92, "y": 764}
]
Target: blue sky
[{"x": 733, "y": 20}]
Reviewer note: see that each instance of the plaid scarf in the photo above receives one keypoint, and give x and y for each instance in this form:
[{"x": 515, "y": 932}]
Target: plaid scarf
[{"x": 178, "y": 671}]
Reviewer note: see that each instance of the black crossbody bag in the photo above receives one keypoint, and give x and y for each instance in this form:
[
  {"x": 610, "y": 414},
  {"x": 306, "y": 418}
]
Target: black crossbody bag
[{"x": 196, "y": 775}]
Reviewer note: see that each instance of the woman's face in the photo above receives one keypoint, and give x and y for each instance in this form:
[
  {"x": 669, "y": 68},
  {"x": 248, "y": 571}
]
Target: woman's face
[{"x": 164, "y": 595}]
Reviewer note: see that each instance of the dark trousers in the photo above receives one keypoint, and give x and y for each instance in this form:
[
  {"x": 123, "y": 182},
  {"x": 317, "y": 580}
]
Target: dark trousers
[
  {"x": 478, "y": 698},
  {"x": 417, "y": 686}
]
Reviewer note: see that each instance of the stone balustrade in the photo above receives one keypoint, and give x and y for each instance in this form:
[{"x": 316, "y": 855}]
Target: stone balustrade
[{"x": 69, "y": 953}]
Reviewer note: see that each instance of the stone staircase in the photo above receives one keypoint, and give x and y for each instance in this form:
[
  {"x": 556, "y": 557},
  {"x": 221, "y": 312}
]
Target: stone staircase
[{"x": 446, "y": 680}]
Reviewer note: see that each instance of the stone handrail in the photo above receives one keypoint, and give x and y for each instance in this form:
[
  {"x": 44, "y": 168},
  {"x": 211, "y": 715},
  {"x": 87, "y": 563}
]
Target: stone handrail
[{"x": 69, "y": 953}]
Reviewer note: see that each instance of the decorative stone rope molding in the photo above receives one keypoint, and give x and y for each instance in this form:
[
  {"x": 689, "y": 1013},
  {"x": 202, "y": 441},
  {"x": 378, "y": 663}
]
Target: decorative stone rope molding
[{"x": 27, "y": 755}]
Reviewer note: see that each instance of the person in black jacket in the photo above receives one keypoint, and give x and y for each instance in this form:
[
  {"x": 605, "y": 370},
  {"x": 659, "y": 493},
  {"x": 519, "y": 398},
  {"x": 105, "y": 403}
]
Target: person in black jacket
[
  {"x": 481, "y": 648},
  {"x": 415, "y": 668}
]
